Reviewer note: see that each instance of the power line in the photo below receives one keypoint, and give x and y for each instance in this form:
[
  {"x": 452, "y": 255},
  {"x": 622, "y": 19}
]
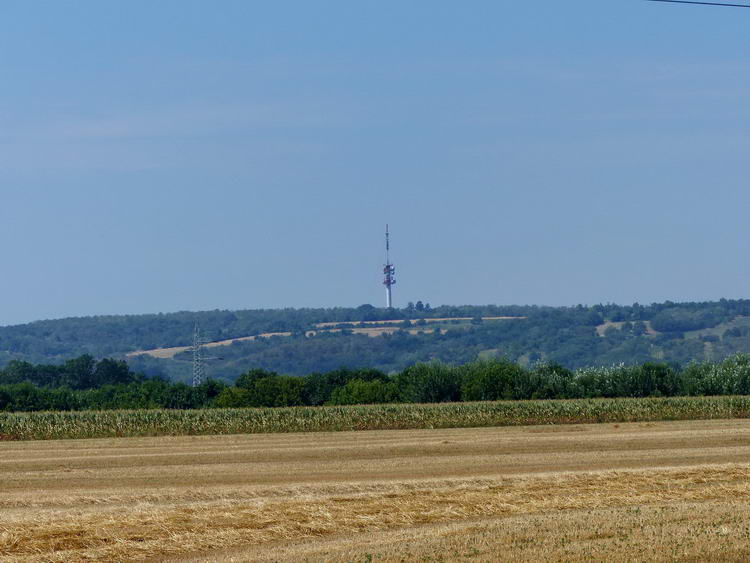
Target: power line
[{"x": 702, "y": 3}]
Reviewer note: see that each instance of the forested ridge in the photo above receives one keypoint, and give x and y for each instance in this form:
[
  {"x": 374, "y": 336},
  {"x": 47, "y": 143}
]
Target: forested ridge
[{"x": 598, "y": 335}]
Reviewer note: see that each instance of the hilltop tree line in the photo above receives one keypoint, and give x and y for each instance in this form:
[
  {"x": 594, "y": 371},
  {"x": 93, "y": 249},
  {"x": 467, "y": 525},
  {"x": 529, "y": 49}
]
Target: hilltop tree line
[
  {"x": 84, "y": 383},
  {"x": 565, "y": 335}
]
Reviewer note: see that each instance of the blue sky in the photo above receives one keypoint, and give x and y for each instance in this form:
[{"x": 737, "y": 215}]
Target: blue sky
[{"x": 186, "y": 155}]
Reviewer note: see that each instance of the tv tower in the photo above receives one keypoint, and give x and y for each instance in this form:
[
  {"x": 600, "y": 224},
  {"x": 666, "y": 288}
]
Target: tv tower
[{"x": 389, "y": 271}]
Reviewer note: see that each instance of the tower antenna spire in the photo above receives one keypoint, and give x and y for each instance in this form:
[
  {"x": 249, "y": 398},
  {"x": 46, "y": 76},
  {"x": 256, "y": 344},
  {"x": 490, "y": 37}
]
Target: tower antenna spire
[
  {"x": 389, "y": 271},
  {"x": 387, "y": 244}
]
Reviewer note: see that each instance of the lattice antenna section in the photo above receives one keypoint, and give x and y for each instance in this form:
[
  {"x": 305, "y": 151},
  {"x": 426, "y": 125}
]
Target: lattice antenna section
[{"x": 389, "y": 272}]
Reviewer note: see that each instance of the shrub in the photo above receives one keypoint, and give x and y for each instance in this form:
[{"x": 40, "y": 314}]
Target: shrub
[
  {"x": 493, "y": 380},
  {"x": 428, "y": 383},
  {"x": 359, "y": 392}
]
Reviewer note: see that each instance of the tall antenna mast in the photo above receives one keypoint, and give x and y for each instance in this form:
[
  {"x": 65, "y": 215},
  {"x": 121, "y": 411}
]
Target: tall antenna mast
[{"x": 389, "y": 271}]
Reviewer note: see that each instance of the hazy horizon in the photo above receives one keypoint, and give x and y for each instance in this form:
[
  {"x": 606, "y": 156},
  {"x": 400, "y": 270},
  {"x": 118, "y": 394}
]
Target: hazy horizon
[{"x": 181, "y": 156}]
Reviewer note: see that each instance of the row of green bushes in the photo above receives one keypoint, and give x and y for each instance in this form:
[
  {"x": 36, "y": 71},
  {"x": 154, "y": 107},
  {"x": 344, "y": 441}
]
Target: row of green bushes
[
  {"x": 488, "y": 381},
  {"x": 83, "y": 372},
  {"x": 421, "y": 383},
  {"x": 149, "y": 394}
]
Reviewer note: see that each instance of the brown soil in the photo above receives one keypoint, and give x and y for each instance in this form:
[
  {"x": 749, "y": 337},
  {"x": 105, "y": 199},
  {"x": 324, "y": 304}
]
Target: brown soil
[{"x": 649, "y": 491}]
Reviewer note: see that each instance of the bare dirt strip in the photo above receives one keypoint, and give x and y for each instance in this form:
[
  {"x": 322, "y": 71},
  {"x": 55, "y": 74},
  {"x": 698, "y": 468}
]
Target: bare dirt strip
[
  {"x": 648, "y": 491},
  {"x": 362, "y": 327},
  {"x": 168, "y": 353}
]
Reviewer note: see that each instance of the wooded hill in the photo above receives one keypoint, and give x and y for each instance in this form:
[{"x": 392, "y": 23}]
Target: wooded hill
[{"x": 572, "y": 336}]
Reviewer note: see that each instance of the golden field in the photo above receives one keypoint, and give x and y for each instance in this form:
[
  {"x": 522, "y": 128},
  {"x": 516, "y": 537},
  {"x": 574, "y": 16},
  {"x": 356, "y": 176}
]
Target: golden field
[{"x": 632, "y": 491}]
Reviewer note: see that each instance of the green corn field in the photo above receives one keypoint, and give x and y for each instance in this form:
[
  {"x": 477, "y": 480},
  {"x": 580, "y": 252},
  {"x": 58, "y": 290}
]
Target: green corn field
[{"x": 123, "y": 423}]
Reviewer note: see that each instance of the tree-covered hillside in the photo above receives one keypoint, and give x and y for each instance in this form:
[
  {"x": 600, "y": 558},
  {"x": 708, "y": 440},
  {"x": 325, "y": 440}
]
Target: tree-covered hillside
[{"x": 573, "y": 336}]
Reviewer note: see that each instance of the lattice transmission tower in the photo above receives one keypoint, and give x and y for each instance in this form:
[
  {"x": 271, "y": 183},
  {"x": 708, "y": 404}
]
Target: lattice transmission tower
[{"x": 199, "y": 366}]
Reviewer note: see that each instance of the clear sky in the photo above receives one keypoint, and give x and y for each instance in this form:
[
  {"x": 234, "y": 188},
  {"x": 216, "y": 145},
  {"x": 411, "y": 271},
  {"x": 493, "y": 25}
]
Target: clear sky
[{"x": 192, "y": 155}]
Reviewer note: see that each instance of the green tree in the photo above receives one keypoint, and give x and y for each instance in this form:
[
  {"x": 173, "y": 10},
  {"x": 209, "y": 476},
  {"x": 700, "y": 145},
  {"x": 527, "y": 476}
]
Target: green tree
[
  {"x": 359, "y": 392},
  {"x": 428, "y": 383},
  {"x": 112, "y": 372},
  {"x": 493, "y": 380},
  {"x": 78, "y": 373}
]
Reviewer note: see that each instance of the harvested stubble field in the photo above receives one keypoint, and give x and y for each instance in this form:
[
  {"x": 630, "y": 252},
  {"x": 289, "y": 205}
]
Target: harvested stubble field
[{"x": 631, "y": 491}]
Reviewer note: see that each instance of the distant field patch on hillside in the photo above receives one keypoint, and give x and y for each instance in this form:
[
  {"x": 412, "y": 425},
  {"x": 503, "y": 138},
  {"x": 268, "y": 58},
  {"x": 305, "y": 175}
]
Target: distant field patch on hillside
[
  {"x": 368, "y": 328},
  {"x": 602, "y": 328},
  {"x": 740, "y": 323},
  {"x": 415, "y": 321},
  {"x": 168, "y": 353}
]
